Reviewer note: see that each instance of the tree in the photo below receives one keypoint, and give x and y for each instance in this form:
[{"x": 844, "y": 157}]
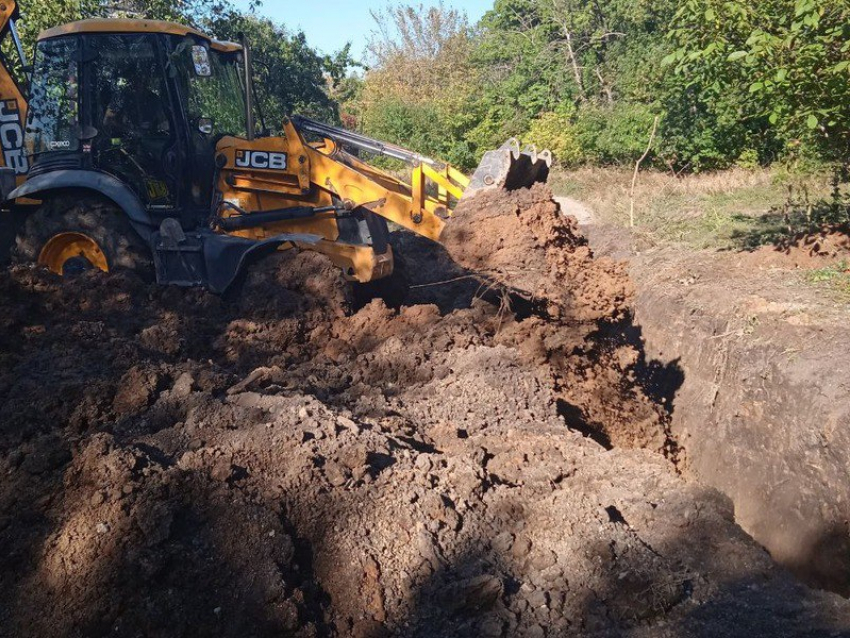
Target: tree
[
  {"x": 420, "y": 81},
  {"x": 591, "y": 65},
  {"x": 291, "y": 77},
  {"x": 521, "y": 76},
  {"x": 784, "y": 65}
]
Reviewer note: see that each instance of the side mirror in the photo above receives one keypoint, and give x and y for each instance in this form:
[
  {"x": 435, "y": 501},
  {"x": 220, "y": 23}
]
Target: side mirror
[
  {"x": 206, "y": 125},
  {"x": 87, "y": 133}
]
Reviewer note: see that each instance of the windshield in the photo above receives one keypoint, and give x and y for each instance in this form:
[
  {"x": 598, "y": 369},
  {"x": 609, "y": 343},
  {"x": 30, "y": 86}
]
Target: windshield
[
  {"x": 53, "y": 123},
  {"x": 213, "y": 89}
]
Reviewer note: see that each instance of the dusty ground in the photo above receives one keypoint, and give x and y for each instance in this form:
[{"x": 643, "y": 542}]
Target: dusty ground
[{"x": 279, "y": 463}]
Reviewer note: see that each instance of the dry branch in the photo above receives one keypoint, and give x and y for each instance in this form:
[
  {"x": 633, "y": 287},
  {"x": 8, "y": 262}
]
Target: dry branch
[{"x": 637, "y": 170}]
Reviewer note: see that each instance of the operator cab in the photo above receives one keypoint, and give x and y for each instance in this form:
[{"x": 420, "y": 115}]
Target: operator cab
[{"x": 145, "y": 101}]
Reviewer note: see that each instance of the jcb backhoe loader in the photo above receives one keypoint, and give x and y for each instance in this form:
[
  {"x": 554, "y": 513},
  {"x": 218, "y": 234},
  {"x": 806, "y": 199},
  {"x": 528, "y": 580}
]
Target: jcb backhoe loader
[{"x": 135, "y": 144}]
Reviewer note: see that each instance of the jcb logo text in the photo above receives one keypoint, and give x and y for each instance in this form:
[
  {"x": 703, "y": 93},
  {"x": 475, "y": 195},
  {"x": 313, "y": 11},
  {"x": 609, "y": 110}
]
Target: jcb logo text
[
  {"x": 261, "y": 159},
  {"x": 12, "y": 137}
]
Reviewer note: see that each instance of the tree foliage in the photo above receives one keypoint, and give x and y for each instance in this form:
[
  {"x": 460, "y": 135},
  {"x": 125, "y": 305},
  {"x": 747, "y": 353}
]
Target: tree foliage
[
  {"x": 290, "y": 76},
  {"x": 548, "y": 71},
  {"x": 731, "y": 80},
  {"x": 420, "y": 81},
  {"x": 784, "y": 65}
]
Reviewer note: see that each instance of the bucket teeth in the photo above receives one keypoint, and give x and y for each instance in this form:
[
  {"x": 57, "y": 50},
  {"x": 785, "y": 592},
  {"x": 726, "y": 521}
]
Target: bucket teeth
[{"x": 510, "y": 168}]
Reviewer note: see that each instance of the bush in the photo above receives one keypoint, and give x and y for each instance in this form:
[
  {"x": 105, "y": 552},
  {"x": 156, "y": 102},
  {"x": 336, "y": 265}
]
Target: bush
[
  {"x": 700, "y": 134},
  {"x": 419, "y": 127},
  {"x": 778, "y": 68},
  {"x": 748, "y": 160},
  {"x": 616, "y": 135},
  {"x": 556, "y": 132}
]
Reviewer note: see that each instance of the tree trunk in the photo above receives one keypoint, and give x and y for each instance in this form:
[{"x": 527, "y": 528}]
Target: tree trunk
[
  {"x": 606, "y": 89},
  {"x": 575, "y": 65}
]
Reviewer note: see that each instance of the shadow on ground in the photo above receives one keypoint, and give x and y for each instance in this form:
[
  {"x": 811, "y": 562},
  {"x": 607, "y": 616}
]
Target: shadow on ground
[{"x": 143, "y": 495}]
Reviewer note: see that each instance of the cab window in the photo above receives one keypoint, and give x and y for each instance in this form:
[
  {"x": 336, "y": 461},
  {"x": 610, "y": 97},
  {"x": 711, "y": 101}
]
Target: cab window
[
  {"x": 53, "y": 123},
  {"x": 129, "y": 94},
  {"x": 129, "y": 106},
  {"x": 211, "y": 87}
]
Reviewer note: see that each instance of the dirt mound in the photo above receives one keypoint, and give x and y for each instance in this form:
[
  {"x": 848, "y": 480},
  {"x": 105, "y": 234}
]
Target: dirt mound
[
  {"x": 520, "y": 240},
  {"x": 807, "y": 250},
  {"x": 581, "y": 309},
  {"x": 176, "y": 463}
]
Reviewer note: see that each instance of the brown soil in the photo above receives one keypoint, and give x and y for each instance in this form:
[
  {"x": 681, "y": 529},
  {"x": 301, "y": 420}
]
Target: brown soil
[
  {"x": 278, "y": 463},
  {"x": 521, "y": 241},
  {"x": 806, "y": 250},
  {"x": 762, "y": 410}
]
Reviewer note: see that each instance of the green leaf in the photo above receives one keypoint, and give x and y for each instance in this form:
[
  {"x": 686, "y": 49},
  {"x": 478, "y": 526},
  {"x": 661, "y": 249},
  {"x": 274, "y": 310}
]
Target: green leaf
[
  {"x": 710, "y": 15},
  {"x": 756, "y": 87},
  {"x": 754, "y": 37},
  {"x": 781, "y": 74},
  {"x": 737, "y": 55},
  {"x": 812, "y": 122}
]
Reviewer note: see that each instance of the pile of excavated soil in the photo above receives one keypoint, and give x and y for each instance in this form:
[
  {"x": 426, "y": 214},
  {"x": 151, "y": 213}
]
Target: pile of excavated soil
[
  {"x": 808, "y": 250},
  {"x": 520, "y": 241},
  {"x": 279, "y": 464}
]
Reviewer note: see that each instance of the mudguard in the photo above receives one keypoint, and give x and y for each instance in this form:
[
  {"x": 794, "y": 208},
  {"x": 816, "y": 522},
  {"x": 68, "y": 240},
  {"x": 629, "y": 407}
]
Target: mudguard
[
  {"x": 209, "y": 259},
  {"x": 102, "y": 183},
  {"x": 227, "y": 257}
]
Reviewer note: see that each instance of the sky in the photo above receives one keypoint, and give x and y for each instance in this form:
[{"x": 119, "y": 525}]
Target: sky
[{"x": 330, "y": 24}]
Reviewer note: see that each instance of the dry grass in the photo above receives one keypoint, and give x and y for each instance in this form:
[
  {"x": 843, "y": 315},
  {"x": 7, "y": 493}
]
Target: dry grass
[{"x": 730, "y": 209}]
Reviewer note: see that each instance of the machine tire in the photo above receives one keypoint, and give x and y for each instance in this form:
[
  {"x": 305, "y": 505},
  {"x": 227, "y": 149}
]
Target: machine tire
[{"x": 95, "y": 219}]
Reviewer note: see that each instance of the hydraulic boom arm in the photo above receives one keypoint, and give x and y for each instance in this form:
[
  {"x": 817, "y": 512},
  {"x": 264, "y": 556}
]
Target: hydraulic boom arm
[
  {"x": 361, "y": 142},
  {"x": 434, "y": 184}
]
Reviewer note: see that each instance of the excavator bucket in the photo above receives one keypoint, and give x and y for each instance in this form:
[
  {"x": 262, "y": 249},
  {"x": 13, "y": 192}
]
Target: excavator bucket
[{"x": 510, "y": 168}]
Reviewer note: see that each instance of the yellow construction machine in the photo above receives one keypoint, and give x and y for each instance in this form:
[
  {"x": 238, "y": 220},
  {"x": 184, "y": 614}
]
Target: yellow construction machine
[{"x": 135, "y": 143}]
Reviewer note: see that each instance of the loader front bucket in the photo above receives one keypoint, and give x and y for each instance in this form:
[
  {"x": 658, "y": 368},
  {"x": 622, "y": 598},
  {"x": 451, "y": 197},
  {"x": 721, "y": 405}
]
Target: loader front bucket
[{"x": 510, "y": 168}]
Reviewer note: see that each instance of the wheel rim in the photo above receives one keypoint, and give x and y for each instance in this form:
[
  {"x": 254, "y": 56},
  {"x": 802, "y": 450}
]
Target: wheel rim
[{"x": 67, "y": 253}]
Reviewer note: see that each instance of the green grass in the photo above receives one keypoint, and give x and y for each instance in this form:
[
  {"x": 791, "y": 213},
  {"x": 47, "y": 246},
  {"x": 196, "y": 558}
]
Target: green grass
[
  {"x": 731, "y": 210},
  {"x": 835, "y": 277}
]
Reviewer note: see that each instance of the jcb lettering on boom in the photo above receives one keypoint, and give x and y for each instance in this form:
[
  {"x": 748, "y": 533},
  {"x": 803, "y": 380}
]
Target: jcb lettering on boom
[
  {"x": 261, "y": 159},
  {"x": 12, "y": 137}
]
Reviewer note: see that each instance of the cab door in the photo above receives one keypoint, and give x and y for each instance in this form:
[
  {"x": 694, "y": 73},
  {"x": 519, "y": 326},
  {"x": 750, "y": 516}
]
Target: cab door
[
  {"x": 211, "y": 96},
  {"x": 132, "y": 117}
]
